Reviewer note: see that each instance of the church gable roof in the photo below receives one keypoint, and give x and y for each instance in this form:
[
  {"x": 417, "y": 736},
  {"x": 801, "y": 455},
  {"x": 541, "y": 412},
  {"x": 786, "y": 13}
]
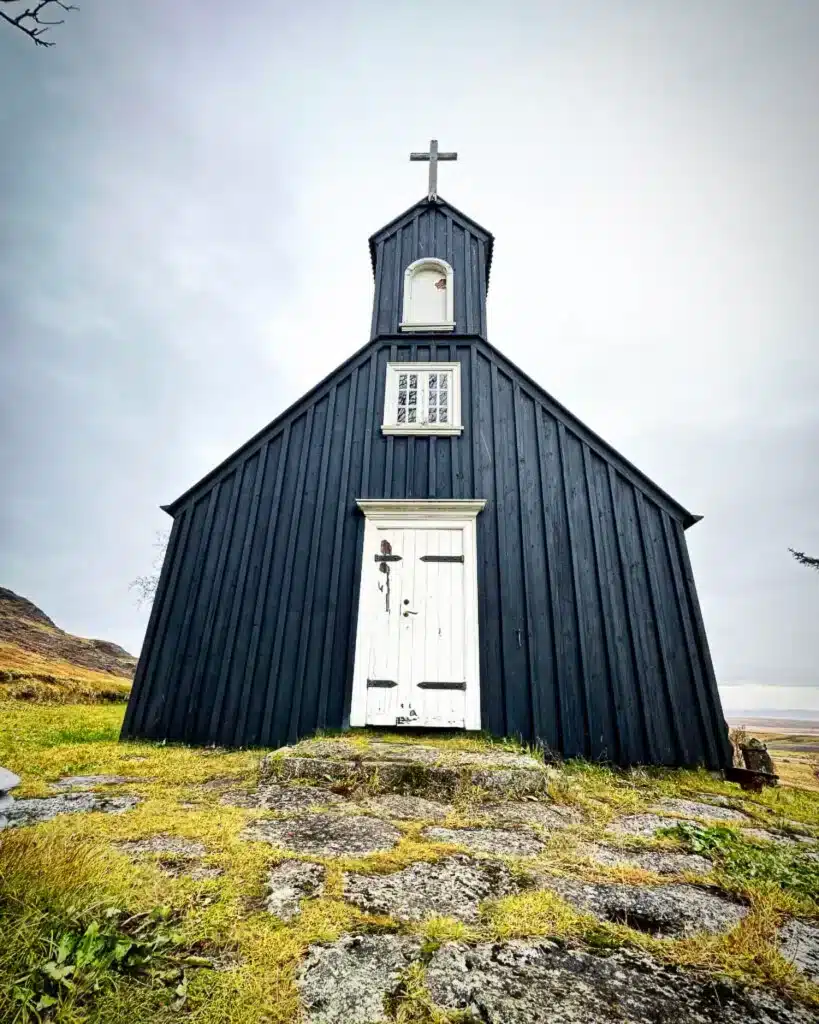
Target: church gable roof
[
  {"x": 423, "y": 206},
  {"x": 373, "y": 357}
]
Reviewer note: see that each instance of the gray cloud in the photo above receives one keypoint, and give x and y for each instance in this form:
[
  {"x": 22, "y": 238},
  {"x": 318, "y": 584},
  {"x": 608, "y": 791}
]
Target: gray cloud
[{"x": 183, "y": 253}]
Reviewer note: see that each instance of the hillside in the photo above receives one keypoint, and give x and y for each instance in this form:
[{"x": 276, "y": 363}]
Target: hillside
[{"x": 39, "y": 661}]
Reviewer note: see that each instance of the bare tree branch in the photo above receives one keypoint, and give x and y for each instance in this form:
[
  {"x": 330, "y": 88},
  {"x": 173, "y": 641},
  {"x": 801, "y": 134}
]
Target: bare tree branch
[
  {"x": 803, "y": 559},
  {"x": 145, "y": 586},
  {"x": 32, "y": 21}
]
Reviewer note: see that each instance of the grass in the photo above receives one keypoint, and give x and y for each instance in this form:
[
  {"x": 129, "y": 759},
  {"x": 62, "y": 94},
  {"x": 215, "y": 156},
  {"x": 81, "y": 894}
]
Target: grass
[
  {"x": 27, "y": 676},
  {"x": 206, "y": 947}
]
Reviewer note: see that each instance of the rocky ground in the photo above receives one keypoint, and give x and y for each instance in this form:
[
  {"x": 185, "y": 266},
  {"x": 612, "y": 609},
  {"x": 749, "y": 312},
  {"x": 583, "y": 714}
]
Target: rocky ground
[{"x": 466, "y": 884}]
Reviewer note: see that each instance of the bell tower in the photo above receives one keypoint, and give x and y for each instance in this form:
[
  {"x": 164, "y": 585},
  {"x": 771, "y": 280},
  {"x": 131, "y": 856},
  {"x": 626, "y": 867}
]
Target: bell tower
[{"x": 431, "y": 267}]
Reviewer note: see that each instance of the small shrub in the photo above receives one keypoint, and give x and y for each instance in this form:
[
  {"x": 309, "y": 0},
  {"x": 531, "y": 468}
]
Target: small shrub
[
  {"x": 81, "y": 957},
  {"x": 747, "y": 863}
]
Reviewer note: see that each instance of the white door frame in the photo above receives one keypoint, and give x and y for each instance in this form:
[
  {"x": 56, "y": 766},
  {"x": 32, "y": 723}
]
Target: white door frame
[{"x": 419, "y": 514}]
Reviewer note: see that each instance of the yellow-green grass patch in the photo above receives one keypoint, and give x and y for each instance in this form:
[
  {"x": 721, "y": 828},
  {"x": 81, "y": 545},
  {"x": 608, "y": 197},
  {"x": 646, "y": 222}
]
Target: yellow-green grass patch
[{"x": 27, "y": 676}]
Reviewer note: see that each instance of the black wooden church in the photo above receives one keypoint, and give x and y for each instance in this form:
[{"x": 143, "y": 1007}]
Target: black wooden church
[{"x": 428, "y": 539}]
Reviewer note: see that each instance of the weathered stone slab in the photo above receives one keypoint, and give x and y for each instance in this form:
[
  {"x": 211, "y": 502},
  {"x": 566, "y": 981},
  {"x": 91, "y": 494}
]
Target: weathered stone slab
[
  {"x": 406, "y": 768},
  {"x": 199, "y": 872},
  {"x": 408, "y": 753},
  {"x": 500, "y": 842},
  {"x": 290, "y": 882},
  {"x": 406, "y": 807},
  {"x": 348, "y": 981},
  {"x": 530, "y": 812},
  {"x": 326, "y": 834},
  {"x": 658, "y": 861},
  {"x": 174, "y": 846},
  {"x": 720, "y": 800},
  {"x": 644, "y": 825},
  {"x": 698, "y": 809},
  {"x": 454, "y": 887},
  {"x": 658, "y": 910},
  {"x": 175, "y": 855},
  {"x": 799, "y": 943},
  {"x": 543, "y": 983},
  {"x": 283, "y": 798},
  {"x": 805, "y": 844},
  {"x": 37, "y": 809},
  {"x": 87, "y": 782}
]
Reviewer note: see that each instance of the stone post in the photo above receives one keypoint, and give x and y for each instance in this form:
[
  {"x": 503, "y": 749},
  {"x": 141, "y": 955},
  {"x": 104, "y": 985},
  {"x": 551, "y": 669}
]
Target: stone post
[{"x": 8, "y": 781}]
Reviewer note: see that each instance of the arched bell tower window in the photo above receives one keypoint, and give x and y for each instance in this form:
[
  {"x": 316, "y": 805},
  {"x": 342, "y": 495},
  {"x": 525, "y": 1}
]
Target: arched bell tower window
[{"x": 429, "y": 298}]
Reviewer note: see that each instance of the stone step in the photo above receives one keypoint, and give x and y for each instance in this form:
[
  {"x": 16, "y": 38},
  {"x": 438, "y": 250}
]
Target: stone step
[{"x": 383, "y": 767}]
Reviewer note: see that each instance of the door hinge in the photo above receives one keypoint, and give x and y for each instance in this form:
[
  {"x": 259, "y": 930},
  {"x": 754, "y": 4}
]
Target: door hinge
[{"x": 426, "y": 685}]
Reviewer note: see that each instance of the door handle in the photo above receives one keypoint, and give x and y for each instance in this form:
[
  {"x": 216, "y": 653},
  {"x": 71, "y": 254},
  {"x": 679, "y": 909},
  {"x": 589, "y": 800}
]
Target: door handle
[{"x": 409, "y": 613}]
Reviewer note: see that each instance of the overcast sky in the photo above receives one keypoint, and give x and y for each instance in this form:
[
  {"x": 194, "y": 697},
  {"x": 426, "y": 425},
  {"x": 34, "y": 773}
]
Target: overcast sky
[{"x": 187, "y": 192}]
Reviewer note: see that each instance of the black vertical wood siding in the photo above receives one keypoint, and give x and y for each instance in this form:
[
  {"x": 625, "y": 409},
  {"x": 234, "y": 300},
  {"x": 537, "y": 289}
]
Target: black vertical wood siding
[{"x": 592, "y": 641}]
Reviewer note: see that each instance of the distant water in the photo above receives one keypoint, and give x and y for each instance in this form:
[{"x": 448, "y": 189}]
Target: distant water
[{"x": 788, "y": 714}]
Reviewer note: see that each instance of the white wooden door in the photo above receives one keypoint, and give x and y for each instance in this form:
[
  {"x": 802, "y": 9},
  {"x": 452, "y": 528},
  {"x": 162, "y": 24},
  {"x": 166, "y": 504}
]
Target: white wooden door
[{"x": 416, "y": 640}]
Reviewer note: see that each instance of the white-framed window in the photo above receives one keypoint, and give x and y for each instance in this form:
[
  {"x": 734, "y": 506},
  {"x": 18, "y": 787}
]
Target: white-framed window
[
  {"x": 422, "y": 398},
  {"x": 429, "y": 298}
]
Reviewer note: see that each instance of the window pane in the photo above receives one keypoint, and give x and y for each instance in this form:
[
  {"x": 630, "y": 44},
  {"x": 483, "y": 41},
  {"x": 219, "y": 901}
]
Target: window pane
[
  {"x": 413, "y": 398},
  {"x": 402, "y": 380},
  {"x": 402, "y": 398},
  {"x": 433, "y": 397},
  {"x": 444, "y": 380},
  {"x": 402, "y": 415},
  {"x": 442, "y": 416},
  {"x": 411, "y": 415},
  {"x": 443, "y": 399},
  {"x": 433, "y": 380},
  {"x": 413, "y": 380},
  {"x": 433, "y": 416}
]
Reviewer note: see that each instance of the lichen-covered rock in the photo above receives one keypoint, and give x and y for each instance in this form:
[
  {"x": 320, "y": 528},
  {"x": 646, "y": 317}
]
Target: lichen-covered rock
[
  {"x": 659, "y": 910},
  {"x": 454, "y": 887},
  {"x": 502, "y": 842},
  {"x": 806, "y": 845},
  {"x": 290, "y": 882},
  {"x": 86, "y": 782},
  {"x": 174, "y": 855},
  {"x": 644, "y": 825},
  {"x": 658, "y": 861},
  {"x": 406, "y": 768},
  {"x": 697, "y": 809},
  {"x": 348, "y": 982},
  {"x": 530, "y": 812},
  {"x": 799, "y": 943},
  {"x": 543, "y": 983},
  {"x": 283, "y": 798},
  {"x": 326, "y": 834},
  {"x": 720, "y": 800},
  {"x": 37, "y": 809},
  {"x": 406, "y": 807},
  {"x": 174, "y": 846}
]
